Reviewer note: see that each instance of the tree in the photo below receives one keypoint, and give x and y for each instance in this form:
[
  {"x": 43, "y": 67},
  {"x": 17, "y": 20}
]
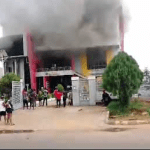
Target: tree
[
  {"x": 6, "y": 83},
  {"x": 60, "y": 88},
  {"x": 122, "y": 77},
  {"x": 147, "y": 76}
]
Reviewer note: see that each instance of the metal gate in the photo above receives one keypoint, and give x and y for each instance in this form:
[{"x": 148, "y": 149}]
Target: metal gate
[
  {"x": 84, "y": 90},
  {"x": 17, "y": 99}
]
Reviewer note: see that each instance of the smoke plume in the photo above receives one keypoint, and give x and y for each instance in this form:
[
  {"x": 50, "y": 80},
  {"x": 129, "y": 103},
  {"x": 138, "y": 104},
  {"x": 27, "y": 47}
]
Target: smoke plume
[{"x": 64, "y": 24}]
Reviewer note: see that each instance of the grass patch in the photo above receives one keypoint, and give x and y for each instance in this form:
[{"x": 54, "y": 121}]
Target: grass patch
[
  {"x": 136, "y": 105},
  {"x": 134, "y": 111},
  {"x": 116, "y": 109}
]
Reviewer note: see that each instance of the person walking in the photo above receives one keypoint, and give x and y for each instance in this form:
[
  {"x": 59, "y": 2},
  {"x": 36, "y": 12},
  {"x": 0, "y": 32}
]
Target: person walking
[
  {"x": 25, "y": 98},
  {"x": 64, "y": 98},
  {"x": 45, "y": 96},
  {"x": 2, "y": 109},
  {"x": 58, "y": 96}
]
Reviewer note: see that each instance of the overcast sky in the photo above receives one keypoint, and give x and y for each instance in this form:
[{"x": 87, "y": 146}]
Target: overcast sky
[{"x": 137, "y": 39}]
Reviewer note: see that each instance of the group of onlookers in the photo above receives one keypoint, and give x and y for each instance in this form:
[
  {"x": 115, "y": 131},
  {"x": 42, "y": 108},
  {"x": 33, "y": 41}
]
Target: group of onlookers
[
  {"x": 6, "y": 109},
  {"x": 31, "y": 97},
  {"x": 66, "y": 95}
]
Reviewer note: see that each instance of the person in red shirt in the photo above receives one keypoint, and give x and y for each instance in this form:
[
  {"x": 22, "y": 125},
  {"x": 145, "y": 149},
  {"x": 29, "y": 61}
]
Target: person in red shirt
[{"x": 58, "y": 96}]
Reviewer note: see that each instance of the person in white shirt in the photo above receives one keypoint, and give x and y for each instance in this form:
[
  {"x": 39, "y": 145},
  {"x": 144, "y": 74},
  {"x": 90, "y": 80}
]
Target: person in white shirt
[
  {"x": 45, "y": 96},
  {"x": 2, "y": 109}
]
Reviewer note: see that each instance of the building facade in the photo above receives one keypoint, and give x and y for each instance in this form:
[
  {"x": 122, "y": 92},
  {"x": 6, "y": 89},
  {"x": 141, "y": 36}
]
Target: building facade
[{"x": 49, "y": 68}]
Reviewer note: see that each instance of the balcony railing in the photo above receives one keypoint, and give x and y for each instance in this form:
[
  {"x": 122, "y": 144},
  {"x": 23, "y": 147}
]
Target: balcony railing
[
  {"x": 54, "y": 69},
  {"x": 97, "y": 67}
]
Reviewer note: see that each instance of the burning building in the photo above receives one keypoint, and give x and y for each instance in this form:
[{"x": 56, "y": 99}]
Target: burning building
[{"x": 71, "y": 39}]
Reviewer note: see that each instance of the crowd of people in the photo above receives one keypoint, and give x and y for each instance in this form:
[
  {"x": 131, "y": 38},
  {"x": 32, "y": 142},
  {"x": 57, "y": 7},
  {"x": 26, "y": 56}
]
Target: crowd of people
[{"x": 31, "y": 97}]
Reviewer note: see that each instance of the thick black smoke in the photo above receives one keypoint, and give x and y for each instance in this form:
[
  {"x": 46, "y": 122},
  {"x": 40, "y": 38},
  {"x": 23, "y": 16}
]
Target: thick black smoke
[{"x": 63, "y": 24}]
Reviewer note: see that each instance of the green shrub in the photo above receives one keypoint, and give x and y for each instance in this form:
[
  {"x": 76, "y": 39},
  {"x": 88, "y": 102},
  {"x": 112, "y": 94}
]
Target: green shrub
[
  {"x": 60, "y": 88},
  {"x": 115, "y": 108},
  {"x": 49, "y": 96},
  {"x": 52, "y": 95},
  {"x": 136, "y": 105},
  {"x": 6, "y": 83}
]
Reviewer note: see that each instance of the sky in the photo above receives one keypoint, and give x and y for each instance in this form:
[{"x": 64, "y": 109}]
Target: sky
[{"x": 137, "y": 37}]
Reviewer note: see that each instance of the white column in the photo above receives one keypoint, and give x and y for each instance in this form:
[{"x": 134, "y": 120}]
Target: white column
[
  {"x": 92, "y": 90},
  {"x": 22, "y": 70},
  {"x": 5, "y": 68},
  {"x": 15, "y": 66},
  {"x": 3, "y": 63},
  {"x": 75, "y": 91}
]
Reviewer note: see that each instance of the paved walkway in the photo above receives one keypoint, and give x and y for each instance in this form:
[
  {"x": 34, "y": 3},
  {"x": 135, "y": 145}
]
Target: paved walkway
[{"x": 52, "y": 118}]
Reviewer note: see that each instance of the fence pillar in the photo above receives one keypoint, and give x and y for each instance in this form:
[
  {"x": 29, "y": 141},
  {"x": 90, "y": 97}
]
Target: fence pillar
[
  {"x": 75, "y": 91},
  {"x": 92, "y": 90}
]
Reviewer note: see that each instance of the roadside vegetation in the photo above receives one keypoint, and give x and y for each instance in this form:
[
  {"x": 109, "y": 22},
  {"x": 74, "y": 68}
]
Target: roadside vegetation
[
  {"x": 123, "y": 78},
  {"x": 6, "y": 83},
  {"x": 138, "y": 109}
]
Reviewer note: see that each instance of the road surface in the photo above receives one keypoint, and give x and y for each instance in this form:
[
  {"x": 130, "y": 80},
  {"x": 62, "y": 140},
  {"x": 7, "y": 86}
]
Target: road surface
[{"x": 70, "y": 127}]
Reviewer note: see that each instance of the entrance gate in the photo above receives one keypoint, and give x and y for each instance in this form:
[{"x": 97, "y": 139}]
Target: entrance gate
[
  {"x": 84, "y": 90},
  {"x": 17, "y": 99}
]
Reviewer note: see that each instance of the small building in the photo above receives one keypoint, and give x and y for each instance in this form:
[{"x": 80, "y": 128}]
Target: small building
[{"x": 14, "y": 58}]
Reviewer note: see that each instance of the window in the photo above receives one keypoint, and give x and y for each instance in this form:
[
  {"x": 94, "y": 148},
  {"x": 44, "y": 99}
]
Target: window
[{"x": 96, "y": 58}]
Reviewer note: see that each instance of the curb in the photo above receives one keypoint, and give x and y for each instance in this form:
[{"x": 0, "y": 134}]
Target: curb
[{"x": 133, "y": 122}]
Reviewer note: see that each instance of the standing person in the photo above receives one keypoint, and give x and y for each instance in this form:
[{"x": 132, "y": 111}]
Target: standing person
[
  {"x": 45, "y": 96},
  {"x": 31, "y": 96},
  {"x": 58, "y": 96},
  {"x": 2, "y": 109},
  {"x": 64, "y": 98},
  {"x": 34, "y": 97},
  {"x": 40, "y": 97},
  {"x": 56, "y": 89},
  {"x": 25, "y": 98},
  {"x": 9, "y": 109}
]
